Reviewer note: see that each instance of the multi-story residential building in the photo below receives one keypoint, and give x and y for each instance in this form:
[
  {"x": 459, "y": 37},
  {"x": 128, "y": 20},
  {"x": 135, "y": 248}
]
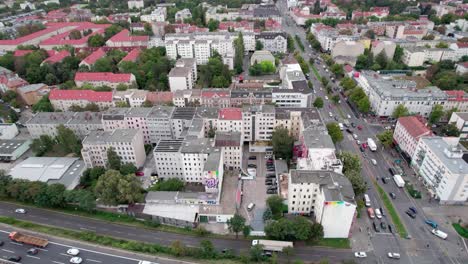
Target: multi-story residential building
[
  {"x": 132, "y": 97},
  {"x": 230, "y": 144},
  {"x": 417, "y": 56},
  {"x": 183, "y": 98},
  {"x": 159, "y": 123},
  {"x": 125, "y": 39},
  {"x": 387, "y": 47},
  {"x": 157, "y": 15},
  {"x": 297, "y": 97},
  {"x": 241, "y": 26},
  {"x": 216, "y": 97},
  {"x": 376, "y": 11},
  {"x": 181, "y": 120},
  {"x": 136, "y": 118},
  {"x": 183, "y": 14},
  {"x": 461, "y": 68},
  {"x": 259, "y": 121},
  {"x": 460, "y": 120},
  {"x": 240, "y": 97},
  {"x": 168, "y": 160},
  {"x": 64, "y": 99},
  {"x": 104, "y": 78},
  {"x": 273, "y": 41},
  {"x": 407, "y": 132},
  {"x": 439, "y": 161},
  {"x": 209, "y": 115},
  {"x": 127, "y": 144},
  {"x": 92, "y": 58},
  {"x": 346, "y": 52},
  {"x": 456, "y": 99},
  {"x": 328, "y": 36},
  {"x": 114, "y": 118},
  {"x": 8, "y": 131},
  {"x": 46, "y": 123},
  {"x": 324, "y": 195},
  {"x": 136, "y": 4},
  {"x": 180, "y": 78},
  {"x": 229, "y": 120},
  {"x": 386, "y": 93}
]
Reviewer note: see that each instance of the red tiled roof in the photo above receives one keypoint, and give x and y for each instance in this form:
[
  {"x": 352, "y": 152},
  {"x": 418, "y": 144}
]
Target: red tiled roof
[
  {"x": 462, "y": 45},
  {"x": 159, "y": 97},
  {"x": 211, "y": 94},
  {"x": 348, "y": 68},
  {"x": 414, "y": 126},
  {"x": 88, "y": 95},
  {"x": 93, "y": 57},
  {"x": 58, "y": 57},
  {"x": 230, "y": 114},
  {"x": 132, "y": 55},
  {"x": 457, "y": 95},
  {"x": 124, "y": 36},
  {"x": 102, "y": 76},
  {"x": 21, "y": 53}
]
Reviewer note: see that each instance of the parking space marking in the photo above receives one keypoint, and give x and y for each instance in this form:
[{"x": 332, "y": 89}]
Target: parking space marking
[
  {"x": 92, "y": 260},
  {"x": 9, "y": 251},
  {"x": 29, "y": 256},
  {"x": 56, "y": 262}
]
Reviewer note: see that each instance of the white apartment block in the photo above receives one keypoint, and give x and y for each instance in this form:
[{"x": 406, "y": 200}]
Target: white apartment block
[
  {"x": 230, "y": 144},
  {"x": 328, "y": 36},
  {"x": 183, "y": 14},
  {"x": 133, "y": 97},
  {"x": 407, "y": 132},
  {"x": 157, "y": 15},
  {"x": 444, "y": 172},
  {"x": 460, "y": 120},
  {"x": 127, "y": 143},
  {"x": 168, "y": 161},
  {"x": 8, "y": 131},
  {"x": 386, "y": 93},
  {"x": 327, "y": 196},
  {"x": 46, "y": 123},
  {"x": 456, "y": 99},
  {"x": 273, "y": 41},
  {"x": 159, "y": 123},
  {"x": 136, "y": 4},
  {"x": 181, "y": 77}
]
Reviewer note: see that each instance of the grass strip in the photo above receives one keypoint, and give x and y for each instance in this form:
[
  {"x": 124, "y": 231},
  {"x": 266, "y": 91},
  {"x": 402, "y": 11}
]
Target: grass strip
[
  {"x": 299, "y": 42},
  {"x": 461, "y": 230},
  {"x": 333, "y": 243},
  {"x": 391, "y": 210},
  {"x": 315, "y": 71}
]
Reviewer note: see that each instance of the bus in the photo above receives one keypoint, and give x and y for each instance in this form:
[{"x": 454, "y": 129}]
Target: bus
[
  {"x": 367, "y": 200},
  {"x": 370, "y": 212}
]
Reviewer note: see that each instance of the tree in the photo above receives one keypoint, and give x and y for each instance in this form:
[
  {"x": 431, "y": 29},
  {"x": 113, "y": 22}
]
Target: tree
[
  {"x": 316, "y": 232},
  {"x": 83, "y": 198},
  {"x": 381, "y": 59},
  {"x": 398, "y": 55},
  {"x": 51, "y": 196},
  {"x": 102, "y": 65},
  {"x": 236, "y": 224},
  {"x": 208, "y": 250},
  {"x": 335, "y": 132},
  {"x": 386, "y": 138},
  {"x": 75, "y": 34},
  {"x": 258, "y": 45},
  {"x": 290, "y": 44},
  {"x": 436, "y": 114},
  {"x": 113, "y": 188},
  {"x": 289, "y": 251},
  {"x": 170, "y": 185},
  {"x": 128, "y": 168},
  {"x": 41, "y": 145},
  {"x": 442, "y": 45},
  {"x": 337, "y": 69},
  {"x": 324, "y": 81},
  {"x": 178, "y": 248},
  {"x": 43, "y": 105},
  {"x": 267, "y": 214},
  {"x": 256, "y": 253},
  {"x": 275, "y": 204},
  {"x": 282, "y": 143},
  {"x": 91, "y": 175},
  {"x": 400, "y": 111},
  {"x": 239, "y": 54},
  {"x": 213, "y": 25},
  {"x": 246, "y": 231},
  {"x": 449, "y": 113},
  {"x": 451, "y": 130},
  {"x": 335, "y": 99},
  {"x": 351, "y": 162},
  {"x": 113, "y": 160},
  {"x": 96, "y": 41},
  {"x": 67, "y": 139},
  {"x": 363, "y": 104}
]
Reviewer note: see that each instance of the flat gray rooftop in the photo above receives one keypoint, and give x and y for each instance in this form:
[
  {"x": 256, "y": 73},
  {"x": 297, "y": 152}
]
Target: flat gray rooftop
[
  {"x": 169, "y": 145},
  {"x": 185, "y": 113},
  {"x": 104, "y": 137}
]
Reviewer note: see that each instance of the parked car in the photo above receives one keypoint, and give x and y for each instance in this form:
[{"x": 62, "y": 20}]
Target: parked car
[
  {"x": 271, "y": 176},
  {"x": 360, "y": 254},
  {"x": 20, "y": 211},
  {"x": 353, "y": 125},
  {"x": 384, "y": 180},
  {"x": 390, "y": 228},
  {"x": 362, "y": 149},
  {"x": 413, "y": 210},
  {"x": 139, "y": 173},
  {"x": 374, "y": 162},
  {"x": 383, "y": 225},
  {"x": 252, "y": 157},
  {"x": 1, "y": 243},
  {"x": 382, "y": 211},
  {"x": 392, "y": 171},
  {"x": 393, "y": 255},
  {"x": 252, "y": 166},
  {"x": 376, "y": 227},
  {"x": 432, "y": 223},
  {"x": 250, "y": 206},
  {"x": 14, "y": 258},
  {"x": 271, "y": 192},
  {"x": 364, "y": 145},
  {"x": 359, "y": 127},
  {"x": 349, "y": 131},
  {"x": 393, "y": 195},
  {"x": 32, "y": 251},
  {"x": 355, "y": 136},
  {"x": 410, "y": 213}
]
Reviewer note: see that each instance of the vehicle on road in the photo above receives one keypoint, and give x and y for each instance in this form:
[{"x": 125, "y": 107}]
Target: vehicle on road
[
  {"x": 383, "y": 225},
  {"x": 410, "y": 214},
  {"x": 393, "y": 255},
  {"x": 326, "y": 97},
  {"x": 73, "y": 251},
  {"x": 362, "y": 149},
  {"x": 374, "y": 162},
  {"x": 364, "y": 145},
  {"x": 385, "y": 180},
  {"x": 377, "y": 213},
  {"x": 349, "y": 131},
  {"x": 27, "y": 239},
  {"x": 367, "y": 200},
  {"x": 371, "y": 144},
  {"x": 359, "y": 127},
  {"x": 360, "y": 254},
  {"x": 371, "y": 213},
  {"x": 330, "y": 114},
  {"x": 252, "y": 166},
  {"x": 432, "y": 223},
  {"x": 32, "y": 251},
  {"x": 252, "y": 172},
  {"x": 382, "y": 211},
  {"x": 439, "y": 233},
  {"x": 14, "y": 258},
  {"x": 20, "y": 211},
  {"x": 250, "y": 206},
  {"x": 355, "y": 136},
  {"x": 390, "y": 228},
  {"x": 1, "y": 243},
  {"x": 353, "y": 125},
  {"x": 252, "y": 157},
  {"x": 348, "y": 116},
  {"x": 272, "y": 245},
  {"x": 399, "y": 181},
  {"x": 76, "y": 260},
  {"x": 149, "y": 262},
  {"x": 139, "y": 173},
  {"x": 392, "y": 171},
  {"x": 413, "y": 210},
  {"x": 341, "y": 126},
  {"x": 376, "y": 227}
]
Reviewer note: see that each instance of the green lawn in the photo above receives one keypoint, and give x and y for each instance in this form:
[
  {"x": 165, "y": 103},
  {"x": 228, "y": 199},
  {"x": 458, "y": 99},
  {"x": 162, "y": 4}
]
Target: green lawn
[
  {"x": 316, "y": 73},
  {"x": 461, "y": 230},
  {"x": 332, "y": 243},
  {"x": 391, "y": 210}
]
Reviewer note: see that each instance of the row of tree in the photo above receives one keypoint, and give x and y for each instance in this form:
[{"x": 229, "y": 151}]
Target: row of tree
[
  {"x": 66, "y": 140},
  {"x": 352, "y": 170}
]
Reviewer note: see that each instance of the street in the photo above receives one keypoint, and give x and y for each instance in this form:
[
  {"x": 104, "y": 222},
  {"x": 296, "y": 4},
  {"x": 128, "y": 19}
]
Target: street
[{"x": 423, "y": 247}]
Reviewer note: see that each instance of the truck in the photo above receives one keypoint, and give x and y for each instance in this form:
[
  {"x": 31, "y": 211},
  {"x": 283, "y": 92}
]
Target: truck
[
  {"x": 28, "y": 239},
  {"x": 371, "y": 144},
  {"x": 399, "y": 181},
  {"x": 272, "y": 245},
  {"x": 439, "y": 233}
]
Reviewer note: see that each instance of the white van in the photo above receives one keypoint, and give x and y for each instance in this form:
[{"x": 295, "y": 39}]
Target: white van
[
  {"x": 341, "y": 126},
  {"x": 378, "y": 213},
  {"x": 355, "y": 136},
  {"x": 439, "y": 233},
  {"x": 330, "y": 114},
  {"x": 250, "y": 206},
  {"x": 367, "y": 200}
]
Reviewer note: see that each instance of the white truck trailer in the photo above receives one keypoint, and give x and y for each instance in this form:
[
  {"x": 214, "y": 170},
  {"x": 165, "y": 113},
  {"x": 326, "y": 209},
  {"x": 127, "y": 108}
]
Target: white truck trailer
[
  {"x": 371, "y": 144},
  {"x": 399, "y": 181},
  {"x": 272, "y": 245}
]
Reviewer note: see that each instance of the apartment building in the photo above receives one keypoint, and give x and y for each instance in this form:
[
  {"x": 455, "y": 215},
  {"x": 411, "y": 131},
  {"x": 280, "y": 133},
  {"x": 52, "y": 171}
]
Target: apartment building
[
  {"x": 183, "y": 14},
  {"x": 273, "y": 41},
  {"x": 230, "y": 120},
  {"x": 180, "y": 78},
  {"x": 168, "y": 161},
  {"x": 181, "y": 120},
  {"x": 230, "y": 144},
  {"x": 159, "y": 123},
  {"x": 64, "y": 99},
  {"x": 299, "y": 96},
  {"x": 104, "y": 78},
  {"x": 460, "y": 120},
  {"x": 136, "y": 118},
  {"x": 407, "y": 132},
  {"x": 259, "y": 121},
  {"x": 456, "y": 99},
  {"x": 417, "y": 56},
  {"x": 92, "y": 58},
  {"x": 127, "y": 143},
  {"x": 132, "y": 97},
  {"x": 125, "y": 39},
  {"x": 216, "y": 97},
  {"x": 326, "y": 196},
  {"x": 386, "y": 93},
  {"x": 8, "y": 131},
  {"x": 32, "y": 93},
  {"x": 240, "y": 97},
  {"x": 439, "y": 161},
  {"x": 136, "y": 4},
  {"x": 46, "y": 123},
  {"x": 183, "y": 98},
  {"x": 329, "y": 36},
  {"x": 387, "y": 47},
  {"x": 157, "y": 15}
]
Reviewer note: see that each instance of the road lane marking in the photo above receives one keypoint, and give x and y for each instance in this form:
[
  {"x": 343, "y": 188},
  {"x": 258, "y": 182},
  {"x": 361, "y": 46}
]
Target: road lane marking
[
  {"x": 29, "y": 256},
  {"x": 16, "y": 243},
  {"x": 92, "y": 260},
  {"x": 57, "y": 262},
  {"x": 9, "y": 251},
  {"x": 63, "y": 254}
]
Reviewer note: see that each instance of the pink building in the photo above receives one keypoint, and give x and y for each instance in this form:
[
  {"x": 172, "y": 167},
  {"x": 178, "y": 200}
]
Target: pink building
[
  {"x": 377, "y": 11},
  {"x": 57, "y": 57},
  {"x": 104, "y": 78},
  {"x": 407, "y": 132},
  {"x": 64, "y": 99},
  {"x": 215, "y": 97},
  {"x": 93, "y": 57},
  {"x": 132, "y": 55},
  {"x": 125, "y": 39}
]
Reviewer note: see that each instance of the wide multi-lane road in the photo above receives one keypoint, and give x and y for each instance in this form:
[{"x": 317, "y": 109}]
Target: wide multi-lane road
[{"x": 423, "y": 247}]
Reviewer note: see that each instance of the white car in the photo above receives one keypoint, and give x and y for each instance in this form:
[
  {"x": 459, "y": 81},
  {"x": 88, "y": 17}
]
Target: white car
[
  {"x": 355, "y": 136},
  {"x": 326, "y": 97},
  {"x": 349, "y": 117},
  {"x": 252, "y": 172},
  {"x": 76, "y": 260},
  {"x": 360, "y": 254},
  {"x": 358, "y": 142},
  {"x": 393, "y": 255},
  {"x": 73, "y": 251},
  {"x": 374, "y": 162},
  {"x": 20, "y": 211}
]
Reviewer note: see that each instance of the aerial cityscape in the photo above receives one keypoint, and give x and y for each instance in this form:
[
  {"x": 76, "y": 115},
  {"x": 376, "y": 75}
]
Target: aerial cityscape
[{"x": 242, "y": 131}]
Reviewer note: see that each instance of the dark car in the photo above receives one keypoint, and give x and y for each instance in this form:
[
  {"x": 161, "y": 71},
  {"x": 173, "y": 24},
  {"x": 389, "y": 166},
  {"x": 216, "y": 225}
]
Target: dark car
[
  {"x": 1, "y": 243},
  {"x": 382, "y": 211},
  {"x": 361, "y": 148},
  {"x": 271, "y": 176},
  {"x": 392, "y": 171},
  {"x": 251, "y": 166},
  {"x": 376, "y": 227},
  {"x": 413, "y": 210},
  {"x": 353, "y": 125},
  {"x": 33, "y": 251},
  {"x": 253, "y": 158},
  {"x": 411, "y": 214},
  {"x": 390, "y": 228},
  {"x": 349, "y": 131},
  {"x": 393, "y": 195},
  {"x": 383, "y": 225},
  {"x": 271, "y": 192},
  {"x": 14, "y": 258},
  {"x": 384, "y": 180}
]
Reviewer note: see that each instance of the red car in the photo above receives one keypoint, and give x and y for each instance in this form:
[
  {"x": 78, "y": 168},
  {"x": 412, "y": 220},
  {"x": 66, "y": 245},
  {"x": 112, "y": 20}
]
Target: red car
[
  {"x": 139, "y": 173},
  {"x": 364, "y": 145},
  {"x": 359, "y": 127}
]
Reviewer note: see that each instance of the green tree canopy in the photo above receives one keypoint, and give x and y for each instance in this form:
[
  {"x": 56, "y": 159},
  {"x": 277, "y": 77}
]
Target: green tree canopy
[
  {"x": 172, "y": 185},
  {"x": 113, "y": 160},
  {"x": 386, "y": 138},
  {"x": 318, "y": 102},
  {"x": 282, "y": 143},
  {"x": 335, "y": 132},
  {"x": 236, "y": 224},
  {"x": 275, "y": 204},
  {"x": 400, "y": 111},
  {"x": 113, "y": 188},
  {"x": 436, "y": 114},
  {"x": 67, "y": 140}
]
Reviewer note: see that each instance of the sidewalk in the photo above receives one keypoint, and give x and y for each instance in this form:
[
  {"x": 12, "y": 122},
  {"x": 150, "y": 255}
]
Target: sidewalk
[{"x": 360, "y": 239}]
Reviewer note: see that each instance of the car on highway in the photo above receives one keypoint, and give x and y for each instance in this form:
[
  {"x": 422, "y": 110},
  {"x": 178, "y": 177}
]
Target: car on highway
[
  {"x": 32, "y": 251},
  {"x": 393, "y": 255},
  {"x": 14, "y": 258},
  {"x": 76, "y": 260},
  {"x": 73, "y": 251},
  {"x": 20, "y": 211},
  {"x": 410, "y": 214},
  {"x": 360, "y": 254},
  {"x": 432, "y": 223}
]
